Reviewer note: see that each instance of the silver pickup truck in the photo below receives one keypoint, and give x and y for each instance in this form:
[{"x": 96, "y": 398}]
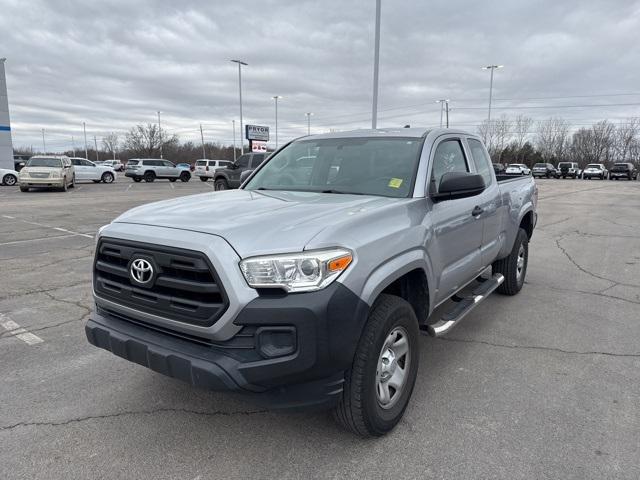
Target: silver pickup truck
[{"x": 309, "y": 286}]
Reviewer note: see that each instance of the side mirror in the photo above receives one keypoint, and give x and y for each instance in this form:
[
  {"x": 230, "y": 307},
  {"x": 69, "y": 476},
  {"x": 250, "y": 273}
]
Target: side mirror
[{"x": 459, "y": 185}]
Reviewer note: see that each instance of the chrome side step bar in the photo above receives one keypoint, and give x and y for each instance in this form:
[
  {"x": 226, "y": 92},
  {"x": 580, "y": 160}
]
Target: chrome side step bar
[{"x": 463, "y": 307}]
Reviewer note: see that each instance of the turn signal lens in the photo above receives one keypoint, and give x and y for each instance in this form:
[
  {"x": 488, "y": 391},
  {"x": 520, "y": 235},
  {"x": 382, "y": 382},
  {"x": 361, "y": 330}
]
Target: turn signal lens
[{"x": 339, "y": 264}]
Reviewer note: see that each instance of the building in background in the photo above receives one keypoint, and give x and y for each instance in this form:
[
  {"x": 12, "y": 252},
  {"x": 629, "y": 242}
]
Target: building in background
[{"x": 6, "y": 147}]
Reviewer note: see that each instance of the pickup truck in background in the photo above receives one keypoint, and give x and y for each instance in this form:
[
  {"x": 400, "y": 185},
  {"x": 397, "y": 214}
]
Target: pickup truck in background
[
  {"x": 315, "y": 291},
  {"x": 229, "y": 176}
]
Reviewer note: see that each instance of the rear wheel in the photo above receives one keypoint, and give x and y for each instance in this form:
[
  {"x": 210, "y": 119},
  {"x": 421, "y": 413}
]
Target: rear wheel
[
  {"x": 221, "y": 184},
  {"x": 185, "y": 176},
  {"x": 137, "y": 179},
  {"x": 379, "y": 384},
  {"x": 204, "y": 179},
  {"x": 107, "y": 177},
  {"x": 9, "y": 179},
  {"x": 514, "y": 267},
  {"x": 149, "y": 177},
  {"x": 24, "y": 189}
]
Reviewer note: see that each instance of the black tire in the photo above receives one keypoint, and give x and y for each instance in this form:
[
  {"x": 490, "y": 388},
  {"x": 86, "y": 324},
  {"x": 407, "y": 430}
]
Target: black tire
[
  {"x": 513, "y": 275},
  {"x": 185, "y": 176},
  {"x": 137, "y": 179},
  {"x": 73, "y": 181},
  {"x": 64, "y": 186},
  {"x": 24, "y": 189},
  {"x": 107, "y": 177},
  {"x": 149, "y": 177},
  {"x": 359, "y": 409},
  {"x": 172, "y": 180},
  {"x": 9, "y": 180},
  {"x": 204, "y": 179},
  {"x": 220, "y": 184}
]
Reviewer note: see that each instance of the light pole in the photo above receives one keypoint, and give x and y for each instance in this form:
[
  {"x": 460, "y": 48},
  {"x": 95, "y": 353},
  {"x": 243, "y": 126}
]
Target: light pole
[
  {"x": 308, "y": 114},
  {"x": 376, "y": 63},
  {"x": 160, "y": 133},
  {"x": 44, "y": 145},
  {"x": 204, "y": 153},
  {"x": 442, "y": 103},
  {"x": 234, "y": 139},
  {"x": 492, "y": 68},
  {"x": 73, "y": 145},
  {"x": 95, "y": 142},
  {"x": 86, "y": 149},
  {"x": 240, "y": 63},
  {"x": 275, "y": 98},
  {"x": 446, "y": 104}
]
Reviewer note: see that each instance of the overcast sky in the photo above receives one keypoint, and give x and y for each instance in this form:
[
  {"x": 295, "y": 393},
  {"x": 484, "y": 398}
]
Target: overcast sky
[{"x": 114, "y": 63}]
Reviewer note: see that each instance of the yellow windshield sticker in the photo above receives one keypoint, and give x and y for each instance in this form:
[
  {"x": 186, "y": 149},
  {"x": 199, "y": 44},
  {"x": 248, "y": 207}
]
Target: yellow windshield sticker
[{"x": 395, "y": 182}]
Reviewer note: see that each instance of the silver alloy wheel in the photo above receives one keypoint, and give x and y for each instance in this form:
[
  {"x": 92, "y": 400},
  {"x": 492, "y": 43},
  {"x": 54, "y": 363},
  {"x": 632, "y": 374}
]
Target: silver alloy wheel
[
  {"x": 10, "y": 180},
  {"x": 107, "y": 177},
  {"x": 393, "y": 368},
  {"x": 520, "y": 263}
]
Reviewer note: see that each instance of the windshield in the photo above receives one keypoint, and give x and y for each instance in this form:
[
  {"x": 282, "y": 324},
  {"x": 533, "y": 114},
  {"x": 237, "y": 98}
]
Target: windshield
[
  {"x": 132, "y": 162},
  {"x": 201, "y": 163},
  {"x": 364, "y": 166},
  {"x": 620, "y": 165},
  {"x": 593, "y": 165},
  {"x": 564, "y": 164},
  {"x": 540, "y": 165},
  {"x": 515, "y": 165},
  {"x": 44, "y": 162}
]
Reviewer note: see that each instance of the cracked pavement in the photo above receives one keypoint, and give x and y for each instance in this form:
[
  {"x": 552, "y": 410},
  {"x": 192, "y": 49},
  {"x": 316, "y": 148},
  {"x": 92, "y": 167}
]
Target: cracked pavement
[{"x": 545, "y": 384}]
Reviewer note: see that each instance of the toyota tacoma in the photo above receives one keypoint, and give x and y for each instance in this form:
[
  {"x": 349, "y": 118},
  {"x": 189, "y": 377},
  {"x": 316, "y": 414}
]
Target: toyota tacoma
[{"x": 310, "y": 285}]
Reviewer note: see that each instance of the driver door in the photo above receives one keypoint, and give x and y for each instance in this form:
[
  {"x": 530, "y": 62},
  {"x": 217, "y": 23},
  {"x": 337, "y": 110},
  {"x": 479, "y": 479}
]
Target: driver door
[{"x": 454, "y": 246}]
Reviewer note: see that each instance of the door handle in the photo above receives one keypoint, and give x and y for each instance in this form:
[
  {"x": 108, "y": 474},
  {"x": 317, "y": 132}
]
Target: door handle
[{"x": 477, "y": 211}]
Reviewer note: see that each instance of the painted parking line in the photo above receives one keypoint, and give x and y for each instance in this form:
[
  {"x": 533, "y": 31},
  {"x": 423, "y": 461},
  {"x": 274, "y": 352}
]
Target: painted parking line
[
  {"x": 17, "y": 331},
  {"x": 59, "y": 229}
]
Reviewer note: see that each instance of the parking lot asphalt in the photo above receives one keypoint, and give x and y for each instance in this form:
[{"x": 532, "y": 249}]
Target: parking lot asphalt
[{"x": 545, "y": 384}]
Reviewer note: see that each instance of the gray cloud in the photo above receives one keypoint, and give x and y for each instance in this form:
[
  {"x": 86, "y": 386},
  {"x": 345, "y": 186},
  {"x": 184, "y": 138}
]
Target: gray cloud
[{"x": 115, "y": 63}]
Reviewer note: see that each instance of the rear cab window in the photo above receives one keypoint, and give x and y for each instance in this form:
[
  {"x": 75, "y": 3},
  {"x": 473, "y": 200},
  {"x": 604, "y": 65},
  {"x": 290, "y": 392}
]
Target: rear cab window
[{"x": 481, "y": 160}]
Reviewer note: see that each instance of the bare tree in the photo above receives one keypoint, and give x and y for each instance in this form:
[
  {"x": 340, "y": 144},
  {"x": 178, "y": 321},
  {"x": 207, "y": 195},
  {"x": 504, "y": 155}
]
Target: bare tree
[
  {"x": 552, "y": 138},
  {"x": 521, "y": 131},
  {"x": 627, "y": 137},
  {"x": 487, "y": 131},
  {"x": 502, "y": 128},
  {"x": 595, "y": 144},
  {"x": 143, "y": 140},
  {"x": 110, "y": 143}
]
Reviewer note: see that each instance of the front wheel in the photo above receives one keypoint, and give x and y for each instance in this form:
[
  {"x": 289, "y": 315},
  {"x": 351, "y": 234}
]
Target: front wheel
[
  {"x": 204, "y": 179},
  {"x": 149, "y": 177},
  {"x": 220, "y": 184},
  {"x": 137, "y": 179},
  {"x": 379, "y": 384},
  {"x": 64, "y": 186},
  {"x": 24, "y": 189},
  {"x": 185, "y": 176},
  {"x": 107, "y": 177},
  {"x": 514, "y": 267}
]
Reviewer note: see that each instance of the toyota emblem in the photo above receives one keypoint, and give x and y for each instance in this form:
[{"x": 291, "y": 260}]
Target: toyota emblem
[{"x": 141, "y": 271}]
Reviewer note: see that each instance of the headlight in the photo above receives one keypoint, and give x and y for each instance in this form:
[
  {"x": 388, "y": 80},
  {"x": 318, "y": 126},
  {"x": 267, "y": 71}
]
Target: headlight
[{"x": 296, "y": 272}]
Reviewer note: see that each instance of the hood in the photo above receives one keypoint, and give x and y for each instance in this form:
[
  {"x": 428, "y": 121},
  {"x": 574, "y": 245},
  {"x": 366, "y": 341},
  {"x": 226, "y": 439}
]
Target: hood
[{"x": 254, "y": 222}]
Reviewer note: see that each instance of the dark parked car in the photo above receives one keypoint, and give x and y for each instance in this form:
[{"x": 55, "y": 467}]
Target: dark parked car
[
  {"x": 623, "y": 170},
  {"x": 499, "y": 168},
  {"x": 229, "y": 177},
  {"x": 544, "y": 170},
  {"x": 568, "y": 169}
]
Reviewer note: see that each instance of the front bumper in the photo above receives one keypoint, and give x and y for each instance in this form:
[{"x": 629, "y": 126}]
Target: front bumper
[
  {"x": 40, "y": 182},
  {"x": 321, "y": 329}
]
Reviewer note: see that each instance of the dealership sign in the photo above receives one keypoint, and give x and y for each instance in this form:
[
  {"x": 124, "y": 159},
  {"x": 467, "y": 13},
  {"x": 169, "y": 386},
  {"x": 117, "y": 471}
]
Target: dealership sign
[{"x": 257, "y": 132}]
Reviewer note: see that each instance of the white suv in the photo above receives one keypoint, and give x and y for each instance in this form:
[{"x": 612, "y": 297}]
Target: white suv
[
  {"x": 88, "y": 170},
  {"x": 597, "y": 170},
  {"x": 47, "y": 172},
  {"x": 205, "y": 169},
  {"x": 148, "y": 169}
]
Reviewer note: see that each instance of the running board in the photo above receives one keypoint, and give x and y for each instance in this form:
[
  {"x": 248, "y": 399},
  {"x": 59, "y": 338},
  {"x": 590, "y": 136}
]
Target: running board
[{"x": 464, "y": 306}]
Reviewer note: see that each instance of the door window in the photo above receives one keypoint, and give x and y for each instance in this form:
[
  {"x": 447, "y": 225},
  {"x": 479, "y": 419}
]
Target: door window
[
  {"x": 449, "y": 157},
  {"x": 243, "y": 161},
  {"x": 481, "y": 160}
]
